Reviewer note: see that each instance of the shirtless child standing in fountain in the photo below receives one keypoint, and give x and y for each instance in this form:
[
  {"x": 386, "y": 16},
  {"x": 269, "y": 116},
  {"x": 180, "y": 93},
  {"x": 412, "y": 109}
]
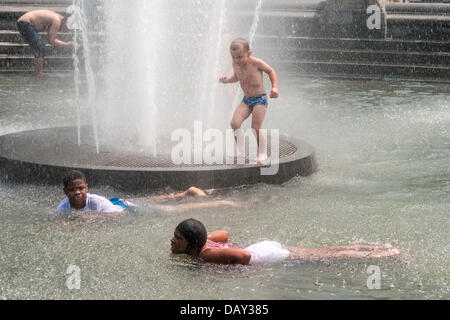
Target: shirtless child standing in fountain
[
  {"x": 38, "y": 21},
  {"x": 248, "y": 71}
]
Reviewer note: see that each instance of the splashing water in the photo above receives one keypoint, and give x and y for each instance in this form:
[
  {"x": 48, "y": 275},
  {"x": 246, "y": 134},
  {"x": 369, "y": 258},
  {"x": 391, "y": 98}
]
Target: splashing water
[
  {"x": 161, "y": 67},
  {"x": 209, "y": 99},
  {"x": 254, "y": 27},
  {"x": 78, "y": 22},
  {"x": 73, "y": 23}
]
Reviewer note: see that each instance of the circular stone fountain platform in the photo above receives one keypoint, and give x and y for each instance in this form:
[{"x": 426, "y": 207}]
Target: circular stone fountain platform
[{"x": 45, "y": 155}]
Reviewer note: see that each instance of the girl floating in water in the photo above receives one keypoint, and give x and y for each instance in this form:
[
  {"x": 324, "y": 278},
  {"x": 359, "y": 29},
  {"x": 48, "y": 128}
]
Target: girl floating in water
[{"x": 190, "y": 237}]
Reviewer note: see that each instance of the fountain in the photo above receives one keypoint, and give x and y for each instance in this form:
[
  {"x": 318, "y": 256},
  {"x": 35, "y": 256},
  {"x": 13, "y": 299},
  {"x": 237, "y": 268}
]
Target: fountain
[
  {"x": 158, "y": 74},
  {"x": 383, "y": 148}
]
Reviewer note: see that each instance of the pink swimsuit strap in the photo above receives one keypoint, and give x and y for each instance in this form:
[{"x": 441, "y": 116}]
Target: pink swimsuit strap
[{"x": 218, "y": 245}]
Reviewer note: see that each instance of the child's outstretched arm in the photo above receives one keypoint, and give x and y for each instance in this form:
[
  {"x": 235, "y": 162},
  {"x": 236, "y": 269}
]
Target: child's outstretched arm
[
  {"x": 272, "y": 76},
  {"x": 232, "y": 79}
]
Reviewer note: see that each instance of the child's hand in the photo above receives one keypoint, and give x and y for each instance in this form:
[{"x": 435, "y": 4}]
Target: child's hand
[
  {"x": 223, "y": 80},
  {"x": 274, "y": 93}
]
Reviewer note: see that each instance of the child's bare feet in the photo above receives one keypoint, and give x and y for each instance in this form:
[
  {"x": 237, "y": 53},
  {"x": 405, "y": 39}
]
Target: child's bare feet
[{"x": 262, "y": 159}]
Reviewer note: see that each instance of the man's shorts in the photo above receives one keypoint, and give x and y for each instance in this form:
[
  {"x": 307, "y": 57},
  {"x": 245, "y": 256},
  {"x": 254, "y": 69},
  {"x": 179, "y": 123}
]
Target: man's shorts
[
  {"x": 256, "y": 100},
  {"x": 30, "y": 35}
]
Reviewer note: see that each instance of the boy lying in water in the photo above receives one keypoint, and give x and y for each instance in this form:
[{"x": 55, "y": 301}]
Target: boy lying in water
[{"x": 78, "y": 199}]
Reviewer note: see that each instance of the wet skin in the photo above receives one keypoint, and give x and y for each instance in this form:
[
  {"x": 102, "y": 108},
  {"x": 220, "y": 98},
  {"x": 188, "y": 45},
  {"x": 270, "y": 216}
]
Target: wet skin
[
  {"x": 76, "y": 191},
  {"x": 178, "y": 244}
]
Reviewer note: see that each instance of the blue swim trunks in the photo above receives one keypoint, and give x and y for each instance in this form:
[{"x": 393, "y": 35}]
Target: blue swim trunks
[
  {"x": 253, "y": 101},
  {"x": 123, "y": 203},
  {"x": 31, "y": 36}
]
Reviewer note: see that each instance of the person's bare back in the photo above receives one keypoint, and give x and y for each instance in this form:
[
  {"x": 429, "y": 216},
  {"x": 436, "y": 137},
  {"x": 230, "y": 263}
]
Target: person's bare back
[
  {"x": 42, "y": 20},
  {"x": 50, "y": 21},
  {"x": 31, "y": 23}
]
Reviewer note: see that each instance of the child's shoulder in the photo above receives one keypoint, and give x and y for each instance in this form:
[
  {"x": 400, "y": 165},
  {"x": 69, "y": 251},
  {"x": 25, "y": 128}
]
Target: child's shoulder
[
  {"x": 255, "y": 59},
  {"x": 258, "y": 61}
]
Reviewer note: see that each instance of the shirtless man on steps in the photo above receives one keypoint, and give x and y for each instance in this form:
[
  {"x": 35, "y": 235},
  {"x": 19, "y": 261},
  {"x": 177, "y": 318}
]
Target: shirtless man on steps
[{"x": 36, "y": 21}]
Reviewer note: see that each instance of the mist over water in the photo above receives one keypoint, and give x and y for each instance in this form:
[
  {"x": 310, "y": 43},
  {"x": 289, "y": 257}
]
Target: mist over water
[{"x": 162, "y": 65}]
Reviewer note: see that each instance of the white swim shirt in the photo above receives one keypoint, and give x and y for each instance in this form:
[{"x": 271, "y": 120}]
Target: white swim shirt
[{"x": 94, "y": 203}]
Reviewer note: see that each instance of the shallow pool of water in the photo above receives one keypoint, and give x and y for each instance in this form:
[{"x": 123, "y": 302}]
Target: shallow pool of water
[{"x": 383, "y": 149}]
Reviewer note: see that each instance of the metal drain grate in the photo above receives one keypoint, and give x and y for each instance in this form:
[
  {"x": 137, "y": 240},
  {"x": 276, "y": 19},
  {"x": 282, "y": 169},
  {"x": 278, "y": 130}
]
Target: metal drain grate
[{"x": 56, "y": 146}]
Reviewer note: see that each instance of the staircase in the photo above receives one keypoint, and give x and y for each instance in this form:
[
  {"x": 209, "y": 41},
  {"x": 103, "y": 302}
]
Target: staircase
[
  {"x": 413, "y": 43},
  {"x": 305, "y": 37}
]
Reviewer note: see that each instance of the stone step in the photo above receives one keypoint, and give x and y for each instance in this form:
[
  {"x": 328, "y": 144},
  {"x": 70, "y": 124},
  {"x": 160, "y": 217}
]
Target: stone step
[
  {"x": 36, "y": 2},
  {"x": 10, "y": 48},
  {"x": 55, "y": 62},
  {"x": 30, "y": 70},
  {"x": 374, "y": 70},
  {"x": 10, "y": 11},
  {"x": 290, "y": 42},
  {"x": 368, "y": 77},
  {"x": 14, "y": 36},
  {"x": 411, "y": 57},
  {"x": 430, "y": 27},
  {"x": 358, "y": 56}
]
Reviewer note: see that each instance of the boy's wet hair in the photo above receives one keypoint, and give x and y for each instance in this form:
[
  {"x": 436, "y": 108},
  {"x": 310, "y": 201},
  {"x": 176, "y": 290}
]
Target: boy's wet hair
[
  {"x": 194, "y": 232},
  {"x": 73, "y": 175},
  {"x": 239, "y": 43}
]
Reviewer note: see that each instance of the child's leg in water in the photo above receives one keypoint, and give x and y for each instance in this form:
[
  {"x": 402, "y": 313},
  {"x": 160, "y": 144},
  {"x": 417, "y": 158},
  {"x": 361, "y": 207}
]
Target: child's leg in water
[
  {"x": 200, "y": 205},
  {"x": 369, "y": 254},
  {"x": 359, "y": 247},
  {"x": 192, "y": 191},
  {"x": 351, "y": 251}
]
